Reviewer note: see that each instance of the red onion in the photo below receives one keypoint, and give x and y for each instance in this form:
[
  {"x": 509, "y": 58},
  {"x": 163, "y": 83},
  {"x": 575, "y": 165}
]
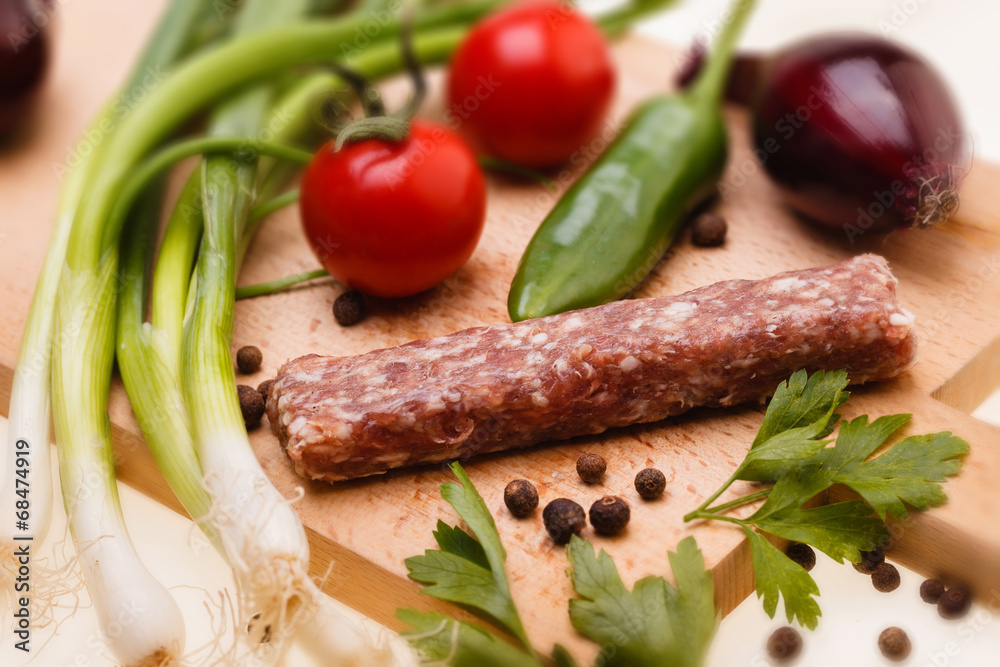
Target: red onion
[
  {"x": 857, "y": 132},
  {"x": 24, "y": 57}
]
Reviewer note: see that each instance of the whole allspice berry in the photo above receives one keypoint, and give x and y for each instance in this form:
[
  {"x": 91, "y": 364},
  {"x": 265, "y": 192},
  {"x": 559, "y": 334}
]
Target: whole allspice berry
[
  {"x": 650, "y": 483},
  {"x": 349, "y": 308},
  {"x": 248, "y": 359},
  {"x": 955, "y": 603},
  {"x": 784, "y": 644},
  {"x": 931, "y": 591},
  {"x": 610, "y": 515},
  {"x": 802, "y": 554},
  {"x": 885, "y": 578},
  {"x": 264, "y": 388},
  {"x": 709, "y": 229},
  {"x": 521, "y": 497},
  {"x": 563, "y": 519},
  {"x": 591, "y": 468},
  {"x": 870, "y": 560},
  {"x": 894, "y": 644},
  {"x": 251, "y": 405}
]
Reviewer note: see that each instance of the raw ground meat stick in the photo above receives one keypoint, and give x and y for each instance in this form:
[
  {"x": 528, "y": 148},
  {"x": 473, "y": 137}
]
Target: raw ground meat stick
[{"x": 513, "y": 385}]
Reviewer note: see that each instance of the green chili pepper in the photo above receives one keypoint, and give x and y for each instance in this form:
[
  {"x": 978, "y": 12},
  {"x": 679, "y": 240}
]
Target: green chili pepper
[{"x": 612, "y": 227}]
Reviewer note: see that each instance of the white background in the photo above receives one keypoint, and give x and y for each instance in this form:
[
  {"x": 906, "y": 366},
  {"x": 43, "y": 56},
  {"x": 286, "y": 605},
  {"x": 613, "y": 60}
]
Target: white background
[{"x": 959, "y": 37}]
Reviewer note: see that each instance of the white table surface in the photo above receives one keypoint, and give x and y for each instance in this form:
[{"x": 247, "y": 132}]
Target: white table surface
[{"x": 958, "y": 37}]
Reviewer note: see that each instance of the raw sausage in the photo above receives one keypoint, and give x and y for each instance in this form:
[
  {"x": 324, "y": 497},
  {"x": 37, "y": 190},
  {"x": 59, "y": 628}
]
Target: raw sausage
[{"x": 513, "y": 385}]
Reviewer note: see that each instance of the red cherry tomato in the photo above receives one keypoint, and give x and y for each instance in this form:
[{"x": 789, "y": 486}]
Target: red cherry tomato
[
  {"x": 531, "y": 84},
  {"x": 393, "y": 219}
]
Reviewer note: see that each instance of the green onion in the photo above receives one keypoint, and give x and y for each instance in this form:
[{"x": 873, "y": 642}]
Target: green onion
[
  {"x": 149, "y": 354},
  {"x": 29, "y": 405},
  {"x": 118, "y": 581},
  {"x": 266, "y": 208},
  {"x": 279, "y": 285},
  {"x": 258, "y": 531},
  {"x": 263, "y": 538}
]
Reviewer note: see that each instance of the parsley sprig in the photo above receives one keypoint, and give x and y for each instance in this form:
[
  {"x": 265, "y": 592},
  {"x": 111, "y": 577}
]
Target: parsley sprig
[
  {"x": 469, "y": 570},
  {"x": 790, "y": 452},
  {"x": 656, "y": 623},
  {"x": 653, "y": 625}
]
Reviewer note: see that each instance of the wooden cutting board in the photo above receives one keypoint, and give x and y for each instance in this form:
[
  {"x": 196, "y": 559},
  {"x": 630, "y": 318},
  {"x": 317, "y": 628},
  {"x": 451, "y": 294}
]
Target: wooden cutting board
[{"x": 949, "y": 277}]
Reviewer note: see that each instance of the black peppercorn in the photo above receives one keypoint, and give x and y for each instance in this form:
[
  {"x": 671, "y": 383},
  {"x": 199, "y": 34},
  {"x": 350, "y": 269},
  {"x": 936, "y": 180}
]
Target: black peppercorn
[
  {"x": 248, "y": 359},
  {"x": 650, "y": 483},
  {"x": 591, "y": 468},
  {"x": 931, "y": 591},
  {"x": 955, "y": 603},
  {"x": 563, "y": 518},
  {"x": 870, "y": 560},
  {"x": 520, "y": 497},
  {"x": 709, "y": 229},
  {"x": 784, "y": 644},
  {"x": 264, "y": 388},
  {"x": 885, "y": 578},
  {"x": 894, "y": 644},
  {"x": 610, "y": 515},
  {"x": 802, "y": 554},
  {"x": 349, "y": 308},
  {"x": 251, "y": 405}
]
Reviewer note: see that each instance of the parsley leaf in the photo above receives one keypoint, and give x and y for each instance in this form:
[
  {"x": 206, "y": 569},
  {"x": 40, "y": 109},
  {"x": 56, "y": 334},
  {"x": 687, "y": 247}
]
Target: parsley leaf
[
  {"x": 790, "y": 451},
  {"x": 456, "y": 541},
  {"x": 469, "y": 571},
  {"x": 799, "y": 415},
  {"x": 781, "y": 453},
  {"x": 653, "y": 625},
  {"x": 561, "y": 657},
  {"x": 909, "y": 472},
  {"x": 803, "y": 400},
  {"x": 777, "y": 576},
  {"x": 792, "y": 491},
  {"x": 839, "y": 530}
]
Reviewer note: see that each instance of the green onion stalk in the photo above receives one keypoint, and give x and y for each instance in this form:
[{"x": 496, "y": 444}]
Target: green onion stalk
[
  {"x": 261, "y": 534},
  {"x": 149, "y": 357},
  {"x": 149, "y": 354},
  {"x": 244, "y": 515},
  {"x": 262, "y": 537},
  {"x": 263, "y": 540},
  {"x": 27, "y": 481}
]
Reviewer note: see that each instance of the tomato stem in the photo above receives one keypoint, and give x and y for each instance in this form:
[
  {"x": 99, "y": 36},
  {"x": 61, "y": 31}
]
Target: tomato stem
[
  {"x": 384, "y": 128},
  {"x": 377, "y": 124}
]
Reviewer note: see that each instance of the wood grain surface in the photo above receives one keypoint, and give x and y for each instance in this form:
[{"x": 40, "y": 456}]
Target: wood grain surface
[{"x": 950, "y": 278}]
